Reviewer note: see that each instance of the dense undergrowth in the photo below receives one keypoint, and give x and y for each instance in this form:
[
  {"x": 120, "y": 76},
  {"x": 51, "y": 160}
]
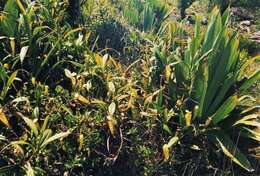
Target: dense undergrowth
[{"x": 121, "y": 95}]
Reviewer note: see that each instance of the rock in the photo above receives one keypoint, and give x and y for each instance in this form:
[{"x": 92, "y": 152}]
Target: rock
[
  {"x": 204, "y": 21},
  {"x": 256, "y": 33},
  {"x": 245, "y": 23},
  {"x": 66, "y": 173},
  {"x": 240, "y": 13},
  {"x": 191, "y": 19},
  {"x": 234, "y": 11},
  {"x": 255, "y": 37}
]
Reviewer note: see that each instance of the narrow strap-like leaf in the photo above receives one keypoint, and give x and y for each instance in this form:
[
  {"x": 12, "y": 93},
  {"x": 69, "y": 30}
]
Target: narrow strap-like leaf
[
  {"x": 250, "y": 81},
  {"x": 225, "y": 109},
  {"x": 4, "y": 119},
  {"x": 55, "y": 137},
  {"x": 31, "y": 124},
  {"x": 230, "y": 149}
]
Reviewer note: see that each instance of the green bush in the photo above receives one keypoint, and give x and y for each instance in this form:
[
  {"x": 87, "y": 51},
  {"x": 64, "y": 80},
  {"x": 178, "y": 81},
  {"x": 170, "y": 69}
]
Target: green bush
[
  {"x": 145, "y": 15},
  {"x": 246, "y": 3},
  {"x": 204, "y": 80}
]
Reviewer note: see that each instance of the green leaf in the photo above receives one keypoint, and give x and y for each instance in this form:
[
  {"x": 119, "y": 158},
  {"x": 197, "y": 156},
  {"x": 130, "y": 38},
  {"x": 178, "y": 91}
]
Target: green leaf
[
  {"x": 182, "y": 118},
  {"x": 166, "y": 128},
  {"x": 201, "y": 83},
  {"x": 11, "y": 79},
  {"x": 250, "y": 81},
  {"x": 221, "y": 94},
  {"x": 225, "y": 109},
  {"x": 27, "y": 27},
  {"x": 45, "y": 135},
  {"x": 56, "y": 136},
  {"x": 39, "y": 29},
  {"x": 8, "y": 84},
  {"x": 230, "y": 149},
  {"x": 45, "y": 123},
  {"x": 9, "y": 24},
  {"x": 148, "y": 18},
  {"x": 9, "y": 169},
  {"x": 3, "y": 74},
  {"x": 226, "y": 16},
  {"x": 213, "y": 30},
  {"x": 218, "y": 73},
  {"x": 237, "y": 157},
  {"x": 232, "y": 60},
  {"x": 30, "y": 124}
]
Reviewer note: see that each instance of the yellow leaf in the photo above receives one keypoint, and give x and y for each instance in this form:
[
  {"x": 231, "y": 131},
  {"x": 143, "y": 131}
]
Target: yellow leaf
[
  {"x": 195, "y": 147},
  {"x": 71, "y": 76},
  {"x": 111, "y": 87},
  {"x": 1, "y": 17},
  {"x": 97, "y": 101},
  {"x": 133, "y": 92},
  {"x": 46, "y": 90},
  {"x": 18, "y": 150},
  {"x": 178, "y": 103},
  {"x": 248, "y": 120},
  {"x": 12, "y": 43},
  {"x": 173, "y": 141},
  {"x": 167, "y": 72},
  {"x": 30, "y": 123},
  {"x": 112, "y": 109},
  {"x": 81, "y": 99},
  {"x": 72, "y": 31},
  {"x": 33, "y": 81},
  {"x": 20, "y": 5},
  {"x": 81, "y": 139},
  {"x": 6, "y": 66},
  {"x": 29, "y": 170},
  {"x": 166, "y": 152},
  {"x": 98, "y": 59},
  {"x": 229, "y": 154},
  {"x": 188, "y": 117},
  {"x": 117, "y": 65},
  {"x": 3, "y": 119},
  {"x": 111, "y": 125},
  {"x": 130, "y": 103},
  {"x": 148, "y": 100}
]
